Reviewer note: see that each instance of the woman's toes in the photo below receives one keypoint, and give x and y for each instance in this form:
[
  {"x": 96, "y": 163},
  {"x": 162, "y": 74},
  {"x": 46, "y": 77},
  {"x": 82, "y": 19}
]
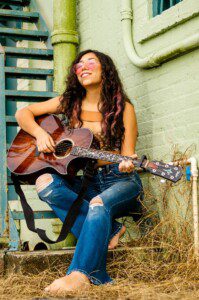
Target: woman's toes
[
  {"x": 56, "y": 285},
  {"x": 72, "y": 282}
]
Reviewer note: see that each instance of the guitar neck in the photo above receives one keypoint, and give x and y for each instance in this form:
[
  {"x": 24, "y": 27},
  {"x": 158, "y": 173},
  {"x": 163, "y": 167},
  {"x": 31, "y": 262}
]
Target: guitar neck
[{"x": 102, "y": 155}]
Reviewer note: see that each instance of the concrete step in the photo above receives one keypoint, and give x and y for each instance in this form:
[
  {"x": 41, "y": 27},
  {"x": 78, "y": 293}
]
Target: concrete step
[{"x": 37, "y": 261}]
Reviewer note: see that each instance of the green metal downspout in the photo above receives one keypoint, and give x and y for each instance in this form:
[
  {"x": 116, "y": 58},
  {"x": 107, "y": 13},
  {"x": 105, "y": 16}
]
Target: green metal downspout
[{"x": 65, "y": 41}]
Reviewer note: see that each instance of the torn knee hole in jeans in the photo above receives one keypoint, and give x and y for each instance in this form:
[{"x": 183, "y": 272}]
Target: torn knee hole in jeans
[
  {"x": 97, "y": 201},
  {"x": 43, "y": 182}
]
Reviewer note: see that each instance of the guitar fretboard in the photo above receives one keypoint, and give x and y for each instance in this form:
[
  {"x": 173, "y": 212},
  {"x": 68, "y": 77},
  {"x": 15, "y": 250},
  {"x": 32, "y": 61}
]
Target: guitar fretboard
[
  {"x": 157, "y": 168},
  {"x": 102, "y": 155}
]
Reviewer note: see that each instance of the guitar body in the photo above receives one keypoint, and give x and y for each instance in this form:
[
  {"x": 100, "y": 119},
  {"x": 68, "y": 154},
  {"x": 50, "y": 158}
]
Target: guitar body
[
  {"x": 72, "y": 150},
  {"x": 24, "y": 159}
]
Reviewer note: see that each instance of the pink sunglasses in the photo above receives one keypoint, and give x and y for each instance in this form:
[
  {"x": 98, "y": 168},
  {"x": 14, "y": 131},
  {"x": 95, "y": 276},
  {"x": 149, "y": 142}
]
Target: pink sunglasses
[{"x": 89, "y": 64}]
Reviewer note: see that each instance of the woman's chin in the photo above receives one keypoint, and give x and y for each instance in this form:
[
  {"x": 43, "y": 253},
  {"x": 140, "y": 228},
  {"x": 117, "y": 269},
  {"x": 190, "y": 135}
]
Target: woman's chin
[{"x": 87, "y": 82}]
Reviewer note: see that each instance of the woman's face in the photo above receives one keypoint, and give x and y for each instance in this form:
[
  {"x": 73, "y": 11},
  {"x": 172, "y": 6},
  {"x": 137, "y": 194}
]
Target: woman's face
[{"x": 89, "y": 70}]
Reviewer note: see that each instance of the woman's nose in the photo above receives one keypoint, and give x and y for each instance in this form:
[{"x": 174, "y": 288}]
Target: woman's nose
[{"x": 84, "y": 66}]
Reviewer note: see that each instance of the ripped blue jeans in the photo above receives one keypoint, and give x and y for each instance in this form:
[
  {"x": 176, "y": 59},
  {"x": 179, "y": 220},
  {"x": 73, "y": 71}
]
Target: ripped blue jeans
[{"x": 95, "y": 224}]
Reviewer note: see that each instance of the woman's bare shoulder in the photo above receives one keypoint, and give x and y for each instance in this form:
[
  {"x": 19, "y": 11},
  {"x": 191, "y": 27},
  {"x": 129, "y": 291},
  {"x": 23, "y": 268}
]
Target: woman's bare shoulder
[{"x": 128, "y": 109}]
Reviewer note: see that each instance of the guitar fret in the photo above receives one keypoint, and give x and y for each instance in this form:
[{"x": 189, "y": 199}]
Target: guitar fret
[
  {"x": 92, "y": 153},
  {"x": 102, "y": 155}
]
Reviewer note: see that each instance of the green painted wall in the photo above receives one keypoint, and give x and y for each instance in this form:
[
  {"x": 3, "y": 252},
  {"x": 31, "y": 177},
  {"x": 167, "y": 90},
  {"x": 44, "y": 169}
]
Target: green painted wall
[
  {"x": 46, "y": 10},
  {"x": 166, "y": 98}
]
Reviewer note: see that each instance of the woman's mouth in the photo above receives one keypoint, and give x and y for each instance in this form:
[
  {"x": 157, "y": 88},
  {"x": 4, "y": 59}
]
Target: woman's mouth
[{"x": 85, "y": 74}]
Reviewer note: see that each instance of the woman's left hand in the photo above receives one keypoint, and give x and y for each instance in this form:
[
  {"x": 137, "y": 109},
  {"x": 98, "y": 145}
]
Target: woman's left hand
[{"x": 127, "y": 165}]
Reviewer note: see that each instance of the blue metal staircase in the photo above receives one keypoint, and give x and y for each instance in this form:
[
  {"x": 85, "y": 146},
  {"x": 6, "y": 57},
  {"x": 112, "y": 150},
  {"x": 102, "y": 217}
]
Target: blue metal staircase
[{"x": 12, "y": 17}]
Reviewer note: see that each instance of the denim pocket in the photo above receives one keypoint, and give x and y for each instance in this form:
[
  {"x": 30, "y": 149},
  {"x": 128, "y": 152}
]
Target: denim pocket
[{"x": 116, "y": 173}]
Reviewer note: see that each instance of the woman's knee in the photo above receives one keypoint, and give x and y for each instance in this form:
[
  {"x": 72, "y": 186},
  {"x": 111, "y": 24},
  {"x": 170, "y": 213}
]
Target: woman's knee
[
  {"x": 96, "y": 207},
  {"x": 43, "y": 181},
  {"x": 96, "y": 201},
  {"x": 97, "y": 212}
]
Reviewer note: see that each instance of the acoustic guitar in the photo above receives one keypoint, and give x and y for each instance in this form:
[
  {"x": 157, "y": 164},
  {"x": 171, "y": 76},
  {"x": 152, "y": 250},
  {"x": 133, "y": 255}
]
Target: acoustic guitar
[{"x": 73, "y": 148}]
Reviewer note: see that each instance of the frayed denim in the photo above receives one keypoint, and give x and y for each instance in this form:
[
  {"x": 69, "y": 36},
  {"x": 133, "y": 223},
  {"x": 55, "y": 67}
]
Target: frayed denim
[{"x": 95, "y": 224}]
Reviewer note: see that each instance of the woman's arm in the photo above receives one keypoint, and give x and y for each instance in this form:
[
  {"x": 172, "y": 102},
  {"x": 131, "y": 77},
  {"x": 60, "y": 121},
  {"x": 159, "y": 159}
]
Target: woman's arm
[
  {"x": 26, "y": 120},
  {"x": 130, "y": 137},
  {"x": 131, "y": 130}
]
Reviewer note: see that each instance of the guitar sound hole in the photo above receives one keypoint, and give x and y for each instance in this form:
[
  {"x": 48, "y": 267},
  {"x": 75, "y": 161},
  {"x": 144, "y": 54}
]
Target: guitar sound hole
[{"x": 63, "y": 148}]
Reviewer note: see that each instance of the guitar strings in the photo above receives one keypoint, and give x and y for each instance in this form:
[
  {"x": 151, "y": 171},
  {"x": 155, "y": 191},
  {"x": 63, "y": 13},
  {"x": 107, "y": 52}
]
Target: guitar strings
[{"x": 61, "y": 148}]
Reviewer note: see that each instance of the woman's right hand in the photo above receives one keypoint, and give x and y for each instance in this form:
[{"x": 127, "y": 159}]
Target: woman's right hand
[{"x": 45, "y": 142}]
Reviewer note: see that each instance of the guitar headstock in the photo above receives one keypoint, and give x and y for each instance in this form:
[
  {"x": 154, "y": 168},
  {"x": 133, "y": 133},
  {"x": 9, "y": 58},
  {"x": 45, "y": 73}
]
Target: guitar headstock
[{"x": 167, "y": 171}]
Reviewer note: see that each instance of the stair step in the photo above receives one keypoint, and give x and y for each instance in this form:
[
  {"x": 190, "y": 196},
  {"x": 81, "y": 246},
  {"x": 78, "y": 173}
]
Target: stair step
[
  {"x": 19, "y": 215},
  {"x": 29, "y": 53},
  {"x": 19, "y": 262},
  {"x": 18, "y": 15},
  {"x": 22, "y": 34},
  {"x": 11, "y": 120},
  {"x": 15, "y": 2},
  {"x": 27, "y": 73},
  {"x": 36, "y": 96}
]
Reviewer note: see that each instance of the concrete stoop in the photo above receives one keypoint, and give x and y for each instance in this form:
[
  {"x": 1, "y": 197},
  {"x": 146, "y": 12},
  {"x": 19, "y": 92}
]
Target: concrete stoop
[{"x": 37, "y": 261}]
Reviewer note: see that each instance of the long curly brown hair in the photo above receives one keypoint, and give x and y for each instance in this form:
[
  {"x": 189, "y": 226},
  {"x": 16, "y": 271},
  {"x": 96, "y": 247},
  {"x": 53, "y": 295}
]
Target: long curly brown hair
[{"x": 112, "y": 97}]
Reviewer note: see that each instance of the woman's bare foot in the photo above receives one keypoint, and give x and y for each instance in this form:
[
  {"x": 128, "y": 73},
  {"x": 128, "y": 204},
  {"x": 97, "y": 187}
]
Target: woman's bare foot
[
  {"x": 69, "y": 283},
  {"x": 115, "y": 240}
]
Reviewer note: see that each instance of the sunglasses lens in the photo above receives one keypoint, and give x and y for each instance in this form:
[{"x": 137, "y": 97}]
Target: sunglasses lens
[
  {"x": 78, "y": 68},
  {"x": 90, "y": 64}
]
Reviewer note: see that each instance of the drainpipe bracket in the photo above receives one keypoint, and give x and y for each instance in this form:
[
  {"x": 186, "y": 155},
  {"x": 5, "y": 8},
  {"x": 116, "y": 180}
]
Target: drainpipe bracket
[
  {"x": 65, "y": 36},
  {"x": 126, "y": 14}
]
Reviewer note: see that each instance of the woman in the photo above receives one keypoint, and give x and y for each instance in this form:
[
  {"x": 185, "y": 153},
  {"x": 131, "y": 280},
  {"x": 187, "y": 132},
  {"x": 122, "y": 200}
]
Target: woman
[{"x": 94, "y": 98}]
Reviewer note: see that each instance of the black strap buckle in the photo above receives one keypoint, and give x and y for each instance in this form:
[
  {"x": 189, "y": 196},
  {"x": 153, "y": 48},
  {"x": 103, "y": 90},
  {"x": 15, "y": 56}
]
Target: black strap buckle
[
  {"x": 89, "y": 169},
  {"x": 140, "y": 165}
]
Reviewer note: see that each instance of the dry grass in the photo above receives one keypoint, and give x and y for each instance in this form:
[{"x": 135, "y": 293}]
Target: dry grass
[{"x": 170, "y": 273}]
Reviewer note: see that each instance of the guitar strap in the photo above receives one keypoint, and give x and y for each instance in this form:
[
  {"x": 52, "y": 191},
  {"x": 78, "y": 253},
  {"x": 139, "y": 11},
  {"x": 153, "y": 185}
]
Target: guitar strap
[{"x": 72, "y": 213}]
